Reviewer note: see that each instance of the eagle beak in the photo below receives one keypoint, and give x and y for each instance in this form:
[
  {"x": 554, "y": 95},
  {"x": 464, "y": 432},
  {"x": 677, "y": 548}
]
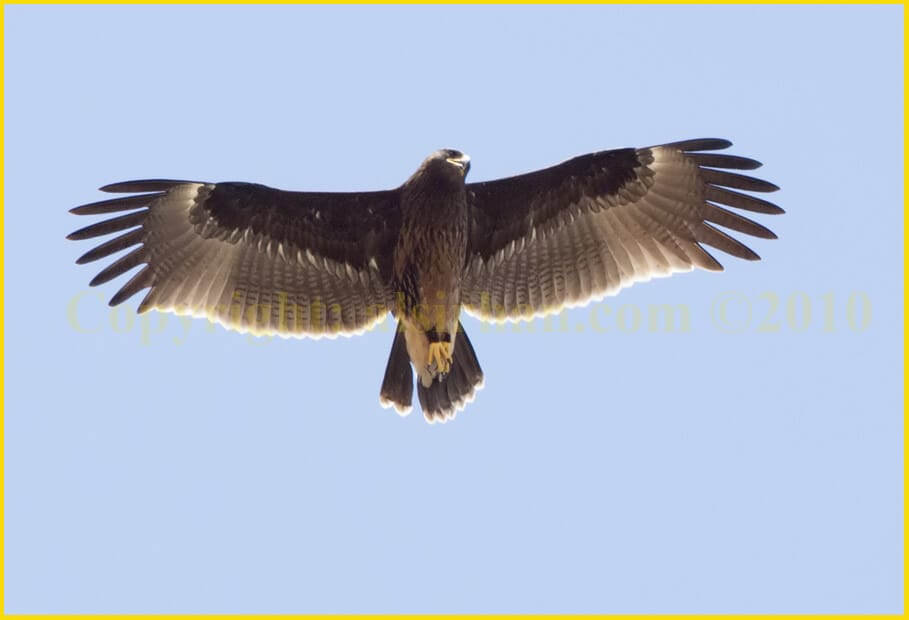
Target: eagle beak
[{"x": 462, "y": 162}]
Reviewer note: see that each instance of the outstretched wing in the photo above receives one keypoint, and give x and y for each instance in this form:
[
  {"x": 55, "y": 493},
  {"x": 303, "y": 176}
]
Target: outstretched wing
[
  {"x": 250, "y": 257},
  {"x": 585, "y": 228}
]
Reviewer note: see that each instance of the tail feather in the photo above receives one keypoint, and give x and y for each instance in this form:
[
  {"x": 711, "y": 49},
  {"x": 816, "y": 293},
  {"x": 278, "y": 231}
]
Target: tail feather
[
  {"x": 448, "y": 395},
  {"x": 397, "y": 386}
]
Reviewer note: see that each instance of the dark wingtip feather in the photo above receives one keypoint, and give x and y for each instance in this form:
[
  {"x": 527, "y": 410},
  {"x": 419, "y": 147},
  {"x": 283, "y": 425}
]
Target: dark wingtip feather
[
  {"x": 114, "y": 245},
  {"x": 116, "y": 204},
  {"x": 145, "y": 305},
  {"x": 146, "y": 185},
  {"x": 115, "y": 224},
  {"x": 119, "y": 267},
  {"x": 700, "y": 257},
  {"x": 716, "y": 238},
  {"x": 768, "y": 234},
  {"x": 138, "y": 282},
  {"x": 728, "y": 197},
  {"x": 736, "y": 181},
  {"x": 700, "y": 144},
  {"x": 769, "y": 208},
  {"x": 719, "y": 160},
  {"x": 729, "y": 219}
]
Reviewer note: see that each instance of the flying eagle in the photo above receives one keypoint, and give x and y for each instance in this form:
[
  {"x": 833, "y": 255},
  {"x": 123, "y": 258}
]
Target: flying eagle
[{"x": 267, "y": 261}]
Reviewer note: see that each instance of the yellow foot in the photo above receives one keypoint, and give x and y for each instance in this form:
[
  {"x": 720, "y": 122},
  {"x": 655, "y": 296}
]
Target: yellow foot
[{"x": 440, "y": 356}]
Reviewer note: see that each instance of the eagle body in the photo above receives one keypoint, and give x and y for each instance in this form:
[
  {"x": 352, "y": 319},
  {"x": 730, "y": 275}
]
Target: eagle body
[
  {"x": 429, "y": 260},
  {"x": 311, "y": 264},
  {"x": 431, "y": 251}
]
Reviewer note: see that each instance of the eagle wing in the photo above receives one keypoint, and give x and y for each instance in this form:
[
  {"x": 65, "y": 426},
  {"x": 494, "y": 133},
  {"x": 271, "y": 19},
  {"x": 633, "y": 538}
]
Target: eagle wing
[
  {"x": 250, "y": 257},
  {"x": 585, "y": 228}
]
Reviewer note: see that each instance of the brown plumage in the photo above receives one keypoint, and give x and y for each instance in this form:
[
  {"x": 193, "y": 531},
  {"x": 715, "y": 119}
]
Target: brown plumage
[
  {"x": 428, "y": 260},
  {"x": 315, "y": 264}
]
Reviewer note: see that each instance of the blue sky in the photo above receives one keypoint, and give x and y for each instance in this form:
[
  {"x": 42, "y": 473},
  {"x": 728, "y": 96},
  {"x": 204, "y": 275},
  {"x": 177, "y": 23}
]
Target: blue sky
[{"x": 750, "y": 463}]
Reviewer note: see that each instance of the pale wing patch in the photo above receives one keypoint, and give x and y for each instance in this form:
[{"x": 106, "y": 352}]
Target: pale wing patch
[{"x": 231, "y": 323}]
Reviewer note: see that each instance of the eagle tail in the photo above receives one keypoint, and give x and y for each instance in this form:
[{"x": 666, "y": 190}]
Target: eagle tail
[
  {"x": 446, "y": 395},
  {"x": 397, "y": 386}
]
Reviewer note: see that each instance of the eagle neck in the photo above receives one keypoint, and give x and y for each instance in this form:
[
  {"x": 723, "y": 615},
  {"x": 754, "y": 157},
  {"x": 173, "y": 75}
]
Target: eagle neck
[{"x": 434, "y": 202}]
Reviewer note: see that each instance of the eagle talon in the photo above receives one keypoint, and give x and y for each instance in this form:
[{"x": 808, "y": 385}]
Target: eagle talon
[{"x": 440, "y": 356}]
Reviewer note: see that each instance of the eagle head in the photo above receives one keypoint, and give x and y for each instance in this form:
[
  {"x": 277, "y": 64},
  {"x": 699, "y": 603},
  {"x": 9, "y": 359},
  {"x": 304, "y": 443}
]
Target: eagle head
[{"x": 450, "y": 161}]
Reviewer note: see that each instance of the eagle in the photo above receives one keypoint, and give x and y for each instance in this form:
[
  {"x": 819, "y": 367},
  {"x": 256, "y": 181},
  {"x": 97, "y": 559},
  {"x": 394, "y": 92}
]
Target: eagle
[{"x": 309, "y": 264}]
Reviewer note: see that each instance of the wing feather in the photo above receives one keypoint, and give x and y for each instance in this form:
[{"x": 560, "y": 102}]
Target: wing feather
[
  {"x": 115, "y": 224},
  {"x": 139, "y": 282},
  {"x": 740, "y": 201},
  {"x": 118, "y": 267},
  {"x": 250, "y": 257},
  {"x": 716, "y": 160},
  {"x": 721, "y": 241},
  {"x": 699, "y": 144},
  {"x": 112, "y": 247},
  {"x": 146, "y": 185},
  {"x": 736, "y": 181},
  {"x": 115, "y": 205},
  {"x": 734, "y": 221},
  {"x": 594, "y": 224}
]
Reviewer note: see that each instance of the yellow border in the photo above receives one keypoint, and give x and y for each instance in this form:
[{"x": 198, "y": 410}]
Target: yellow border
[
  {"x": 334, "y": 617},
  {"x": 3, "y": 318},
  {"x": 541, "y": 2},
  {"x": 456, "y": 616},
  {"x": 905, "y": 298}
]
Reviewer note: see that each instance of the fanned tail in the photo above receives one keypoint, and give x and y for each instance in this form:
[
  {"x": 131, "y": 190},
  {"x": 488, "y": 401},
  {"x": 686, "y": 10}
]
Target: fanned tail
[{"x": 448, "y": 395}]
